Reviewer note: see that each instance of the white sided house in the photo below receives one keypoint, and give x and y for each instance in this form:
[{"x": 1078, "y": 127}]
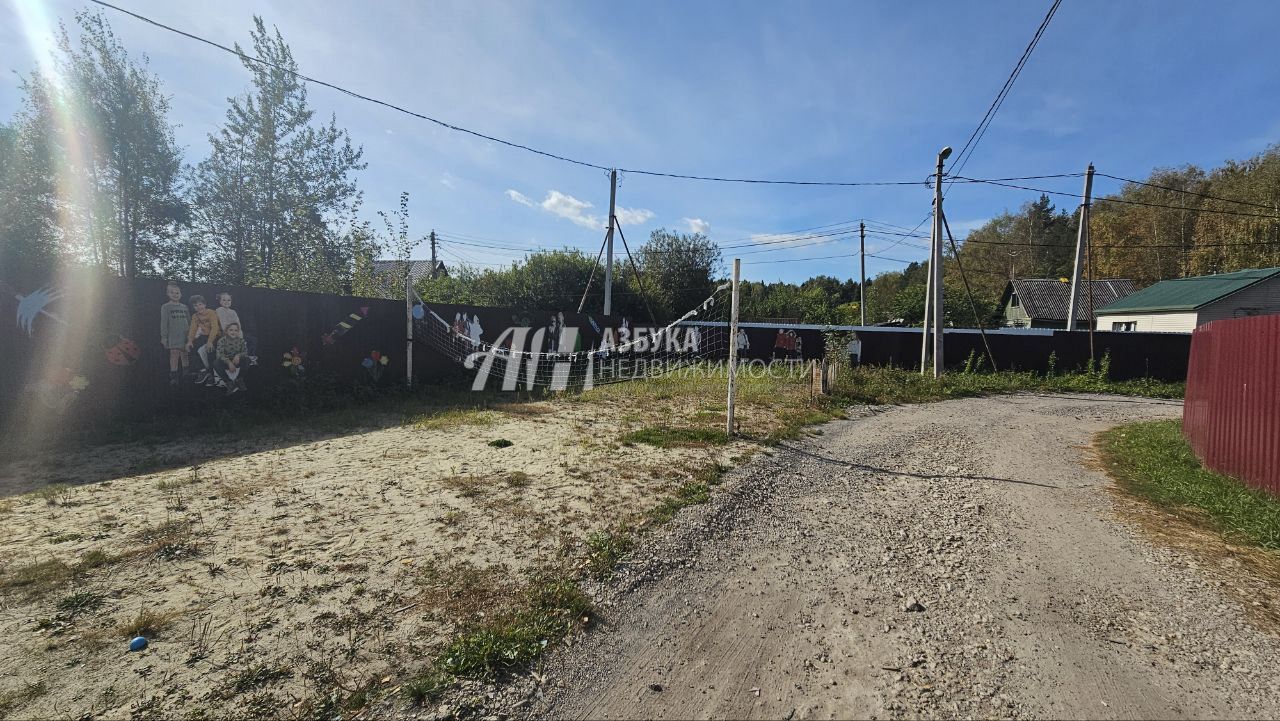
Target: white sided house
[{"x": 1178, "y": 306}]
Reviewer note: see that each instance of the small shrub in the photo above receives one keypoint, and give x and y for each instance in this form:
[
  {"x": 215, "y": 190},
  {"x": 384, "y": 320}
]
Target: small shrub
[{"x": 501, "y": 443}]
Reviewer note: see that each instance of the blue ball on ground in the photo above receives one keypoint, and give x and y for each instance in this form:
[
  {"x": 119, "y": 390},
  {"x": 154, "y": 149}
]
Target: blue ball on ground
[{"x": 138, "y": 644}]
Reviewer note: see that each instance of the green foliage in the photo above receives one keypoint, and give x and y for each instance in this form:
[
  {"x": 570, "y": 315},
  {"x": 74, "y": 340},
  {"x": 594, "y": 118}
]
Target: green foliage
[
  {"x": 501, "y": 443},
  {"x": 688, "y": 494},
  {"x": 275, "y": 201},
  {"x": 1152, "y": 460},
  {"x": 821, "y": 299},
  {"x": 605, "y": 549},
  {"x": 552, "y": 607}
]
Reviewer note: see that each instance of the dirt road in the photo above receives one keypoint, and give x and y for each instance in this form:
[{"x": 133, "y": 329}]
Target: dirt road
[{"x": 952, "y": 559}]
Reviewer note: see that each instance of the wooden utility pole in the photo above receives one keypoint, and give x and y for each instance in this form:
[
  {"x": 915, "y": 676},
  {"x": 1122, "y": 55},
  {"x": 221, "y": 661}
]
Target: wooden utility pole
[
  {"x": 862, "y": 274},
  {"x": 1082, "y": 239},
  {"x": 608, "y": 265},
  {"x": 433, "y": 255},
  {"x": 733, "y": 345}
]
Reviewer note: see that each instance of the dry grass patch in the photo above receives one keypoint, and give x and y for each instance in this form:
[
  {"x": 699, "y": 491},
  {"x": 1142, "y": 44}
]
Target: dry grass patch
[
  {"x": 466, "y": 486},
  {"x": 453, "y": 418},
  {"x": 16, "y": 698},
  {"x": 148, "y": 623}
]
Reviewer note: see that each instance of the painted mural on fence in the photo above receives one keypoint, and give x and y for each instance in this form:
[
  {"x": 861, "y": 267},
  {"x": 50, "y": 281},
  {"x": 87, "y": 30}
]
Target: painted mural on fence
[{"x": 86, "y": 348}]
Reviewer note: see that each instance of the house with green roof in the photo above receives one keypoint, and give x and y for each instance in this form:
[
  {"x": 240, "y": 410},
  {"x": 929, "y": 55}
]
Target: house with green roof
[{"x": 1179, "y": 305}]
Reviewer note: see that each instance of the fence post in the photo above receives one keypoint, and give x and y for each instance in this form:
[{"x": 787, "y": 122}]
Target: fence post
[
  {"x": 733, "y": 346},
  {"x": 408, "y": 329}
]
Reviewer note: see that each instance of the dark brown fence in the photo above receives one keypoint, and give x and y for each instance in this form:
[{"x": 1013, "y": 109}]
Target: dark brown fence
[
  {"x": 88, "y": 349},
  {"x": 1231, "y": 416},
  {"x": 1162, "y": 356}
]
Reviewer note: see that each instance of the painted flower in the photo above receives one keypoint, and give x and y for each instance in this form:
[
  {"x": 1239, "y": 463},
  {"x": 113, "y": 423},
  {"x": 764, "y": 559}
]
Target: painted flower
[
  {"x": 79, "y": 383},
  {"x": 375, "y": 355},
  {"x": 367, "y": 362},
  {"x": 383, "y": 360}
]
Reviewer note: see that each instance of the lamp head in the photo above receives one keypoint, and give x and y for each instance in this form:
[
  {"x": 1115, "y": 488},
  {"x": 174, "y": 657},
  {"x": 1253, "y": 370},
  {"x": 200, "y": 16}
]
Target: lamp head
[{"x": 946, "y": 153}]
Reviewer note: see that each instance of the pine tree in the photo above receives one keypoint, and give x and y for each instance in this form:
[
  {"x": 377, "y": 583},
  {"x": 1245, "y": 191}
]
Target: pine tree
[{"x": 274, "y": 182}]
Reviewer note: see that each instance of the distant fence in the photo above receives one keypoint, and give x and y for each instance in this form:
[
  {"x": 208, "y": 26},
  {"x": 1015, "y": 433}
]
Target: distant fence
[
  {"x": 1162, "y": 356},
  {"x": 1231, "y": 416},
  {"x": 85, "y": 348}
]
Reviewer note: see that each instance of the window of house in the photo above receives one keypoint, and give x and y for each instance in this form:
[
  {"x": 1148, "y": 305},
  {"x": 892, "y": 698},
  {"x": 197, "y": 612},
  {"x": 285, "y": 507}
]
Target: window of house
[
  {"x": 1126, "y": 326},
  {"x": 1013, "y": 300}
]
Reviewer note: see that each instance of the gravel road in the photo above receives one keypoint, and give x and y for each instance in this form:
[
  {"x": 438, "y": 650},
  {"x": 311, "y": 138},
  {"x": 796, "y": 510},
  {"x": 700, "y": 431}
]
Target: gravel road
[{"x": 950, "y": 559}]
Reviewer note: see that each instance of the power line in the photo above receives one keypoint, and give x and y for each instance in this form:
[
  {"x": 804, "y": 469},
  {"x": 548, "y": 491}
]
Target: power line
[
  {"x": 345, "y": 91},
  {"x": 491, "y": 138},
  {"x": 975, "y": 137},
  {"x": 797, "y": 260},
  {"x": 1112, "y": 199},
  {"x": 1186, "y": 192}
]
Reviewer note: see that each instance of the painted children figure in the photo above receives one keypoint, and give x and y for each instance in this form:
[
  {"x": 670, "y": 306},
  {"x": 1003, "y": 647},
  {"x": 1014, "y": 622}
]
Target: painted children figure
[
  {"x": 231, "y": 351},
  {"x": 174, "y": 319},
  {"x": 202, "y": 335},
  {"x": 226, "y": 314}
]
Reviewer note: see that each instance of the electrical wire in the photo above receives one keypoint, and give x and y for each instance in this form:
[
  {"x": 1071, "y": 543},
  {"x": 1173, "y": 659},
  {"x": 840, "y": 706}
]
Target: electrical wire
[
  {"x": 491, "y": 138},
  {"x": 1184, "y": 192},
  {"x": 975, "y": 137},
  {"x": 1131, "y": 202}
]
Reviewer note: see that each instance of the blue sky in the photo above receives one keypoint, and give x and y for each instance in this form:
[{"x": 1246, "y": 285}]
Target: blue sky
[{"x": 847, "y": 91}]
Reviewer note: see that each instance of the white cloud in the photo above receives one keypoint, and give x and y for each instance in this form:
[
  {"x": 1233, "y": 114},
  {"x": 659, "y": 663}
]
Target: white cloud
[
  {"x": 519, "y": 197},
  {"x": 570, "y": 208},
  {"x": 448, "y": 181},
  {"x": 697, "y": 225},
  {"x": 633, "y": 216}
]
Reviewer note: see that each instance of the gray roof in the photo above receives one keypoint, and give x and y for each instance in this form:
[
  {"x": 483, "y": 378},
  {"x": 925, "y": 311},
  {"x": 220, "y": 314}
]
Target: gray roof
[
  {"x": 1047, "y": 298},
  {"x": 418, "y": 269}
]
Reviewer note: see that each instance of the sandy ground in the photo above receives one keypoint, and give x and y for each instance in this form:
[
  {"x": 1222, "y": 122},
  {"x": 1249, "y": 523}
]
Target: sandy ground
[
  {"x": 276, "y": 572},
  {"x": 958, "y": 559}
]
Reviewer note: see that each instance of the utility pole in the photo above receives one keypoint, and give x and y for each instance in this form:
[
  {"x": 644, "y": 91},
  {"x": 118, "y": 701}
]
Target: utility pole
[
  {"x": 733, "y": 346},
  {"x": 1082, "y": 239},
  {"x": 608, "y": 265},
  {"x": 433, "y": 255},
  {"x": 928, "y": 303},
  {"x": 862, "y": 282},
  {"x": 936, "y": 267}
]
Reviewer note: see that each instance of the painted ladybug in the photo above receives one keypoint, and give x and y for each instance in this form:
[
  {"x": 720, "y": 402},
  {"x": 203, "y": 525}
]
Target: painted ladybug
[{"x": 123, "y": 352}]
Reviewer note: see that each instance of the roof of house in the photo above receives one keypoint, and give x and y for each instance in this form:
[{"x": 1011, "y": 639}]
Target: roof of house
[
  {"x": 1189, "y": 293},
  {"x": 418, "y": 269},
  {"x": 1047, "y": 298}
]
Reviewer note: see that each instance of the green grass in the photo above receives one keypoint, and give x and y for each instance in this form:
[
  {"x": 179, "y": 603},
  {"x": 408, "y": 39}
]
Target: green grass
[
  {"x": 668, "y": 437},
  {"x": 1152, "y": 460},
  {"x": 867, "y": 384},
  {"x": 605, "y": 549},
  {"x": 690, "y": 494},
  {"x": 549, "y": 609}
]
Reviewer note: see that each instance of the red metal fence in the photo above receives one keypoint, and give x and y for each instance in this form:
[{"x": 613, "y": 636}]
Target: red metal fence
[{"x": 1231, "y": 416}]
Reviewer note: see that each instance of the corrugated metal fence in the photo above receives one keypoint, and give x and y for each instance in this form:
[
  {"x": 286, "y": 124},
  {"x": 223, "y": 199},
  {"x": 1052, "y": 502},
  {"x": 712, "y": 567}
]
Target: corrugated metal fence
[{"x": 1231, "y": 416}]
